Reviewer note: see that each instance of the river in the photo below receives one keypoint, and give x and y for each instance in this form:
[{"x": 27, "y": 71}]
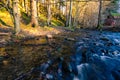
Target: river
[{"x": 96, "y": 56}]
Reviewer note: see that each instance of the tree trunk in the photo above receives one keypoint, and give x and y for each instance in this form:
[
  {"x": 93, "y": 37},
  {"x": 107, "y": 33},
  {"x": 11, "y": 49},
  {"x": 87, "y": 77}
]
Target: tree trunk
[
  {"x": 23, "y": 4},
  {"x": 54, "y": 3},
  {"x": 59, "y": 6},
  {"x": 77, "y": 12},
  {"x": 43, "y": 1},
  {"x": 99, "y": 15},
  {"x": 62, "y": 6},
  {"x": 34, "y": 20},
  {"x": 16, "y": 17},
  {"x": 66, "y": 15},
  {"x": 26, "y": 6},
  {"x": 49, "y": 13},
  {"x": 9, "y": 3},
  {"x": 70, "y": 13},
  {"x": 38, "y": 7}
]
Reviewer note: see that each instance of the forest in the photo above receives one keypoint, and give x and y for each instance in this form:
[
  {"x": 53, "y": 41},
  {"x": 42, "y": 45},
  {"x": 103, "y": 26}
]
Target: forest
[{"x": 59, "y": 39}]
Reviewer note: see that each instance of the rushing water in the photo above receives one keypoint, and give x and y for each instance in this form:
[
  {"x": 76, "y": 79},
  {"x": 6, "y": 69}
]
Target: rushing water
[
  {"x": 101, "y": 59},
  {"x": 96, "y": 57}
]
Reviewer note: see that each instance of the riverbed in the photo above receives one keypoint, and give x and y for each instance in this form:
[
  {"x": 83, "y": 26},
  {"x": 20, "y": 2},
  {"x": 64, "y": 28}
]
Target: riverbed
[{"x": 89, "y": 55}]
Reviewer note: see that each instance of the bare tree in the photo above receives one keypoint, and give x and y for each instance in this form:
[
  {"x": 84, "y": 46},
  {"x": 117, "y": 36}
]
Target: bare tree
[
  {"x": 99, "y": 14},
  {"x": 23, "y": 3},
  {"x": 26, "y": 6},
  {"x": 49, "y": 12},
  {"x": 77, "y": 12},
  {"x": 9, "y": 3},
  {"x": 34, "y": 20},
  {"x": 70, "y": 13},
  {"x": 67, "y": 18},
  {"x": 16, "y": 16}
]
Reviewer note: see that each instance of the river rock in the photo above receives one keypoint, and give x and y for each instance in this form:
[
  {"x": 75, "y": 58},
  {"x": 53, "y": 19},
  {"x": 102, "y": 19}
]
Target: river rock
[{"x": 104, "y": 39}]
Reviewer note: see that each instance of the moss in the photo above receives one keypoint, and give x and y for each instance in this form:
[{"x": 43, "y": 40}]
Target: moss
[
  {"x": 115, "y": 14},
  {"x": 5, "y": 19}
]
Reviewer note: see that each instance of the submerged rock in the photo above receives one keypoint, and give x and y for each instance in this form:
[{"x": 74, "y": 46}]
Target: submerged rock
[
  {"x": 96, "y": 57},
  {"x": 104, "y": 39}
]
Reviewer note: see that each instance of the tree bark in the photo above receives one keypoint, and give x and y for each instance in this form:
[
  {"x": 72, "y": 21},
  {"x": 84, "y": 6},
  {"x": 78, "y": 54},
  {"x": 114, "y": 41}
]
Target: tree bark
[
  {"x": 49, "y": 13},
  {"x": 9, "y": 3},
  {"x": 70, "y": 13},
  {"x": 26, "y": 6},
  {"x": 23, "y": 3},
  {"x": 16, "y": 17},
  {"x": 99, "y": 14},
  {"x": 67, "y": 18},
  {"x": 77, "y": 12},
  {"x": 54, "y": 3},
  {"x": 38, "y": 7},
  {"x": 34, "y": 20}
]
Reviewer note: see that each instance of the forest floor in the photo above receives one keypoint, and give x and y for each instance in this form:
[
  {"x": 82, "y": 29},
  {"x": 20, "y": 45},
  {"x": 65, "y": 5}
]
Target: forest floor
[{"x": 33, "y": 47}]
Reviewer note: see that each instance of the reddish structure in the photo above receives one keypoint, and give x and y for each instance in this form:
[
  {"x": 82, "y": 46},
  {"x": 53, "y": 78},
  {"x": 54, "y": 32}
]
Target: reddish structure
[{"x": 110, "y": 21}]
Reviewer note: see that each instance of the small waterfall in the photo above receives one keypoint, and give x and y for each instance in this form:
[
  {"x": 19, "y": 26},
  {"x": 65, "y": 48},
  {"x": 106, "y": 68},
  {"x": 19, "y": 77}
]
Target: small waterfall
[{"x": 97, "y": 57}]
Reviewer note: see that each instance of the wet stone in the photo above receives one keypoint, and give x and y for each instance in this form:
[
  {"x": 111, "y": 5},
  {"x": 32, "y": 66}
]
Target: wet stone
[
  {"x": 116, "y": 52},
  {"x": 98, "y": 44},
  {"x": 49, "y": 76},
  {"x": 104, "y": 39},
  {"x": 96, "y": 57}
]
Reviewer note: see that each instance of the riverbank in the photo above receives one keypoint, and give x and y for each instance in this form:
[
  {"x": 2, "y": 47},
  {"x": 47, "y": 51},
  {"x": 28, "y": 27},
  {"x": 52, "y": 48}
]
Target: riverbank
[
  {"x": 31, "y": 51},
  {"x": 93, "y": 52}
]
